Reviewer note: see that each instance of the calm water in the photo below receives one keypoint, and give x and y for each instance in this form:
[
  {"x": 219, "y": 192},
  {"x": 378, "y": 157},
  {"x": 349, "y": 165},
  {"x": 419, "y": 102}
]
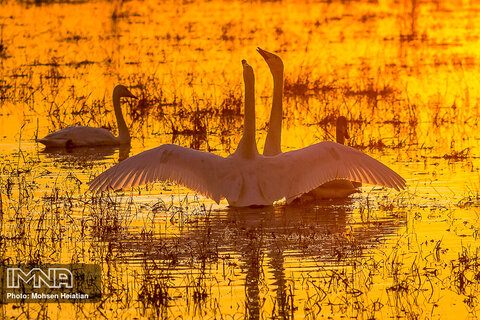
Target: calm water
[{"x": 403, "y": 72}]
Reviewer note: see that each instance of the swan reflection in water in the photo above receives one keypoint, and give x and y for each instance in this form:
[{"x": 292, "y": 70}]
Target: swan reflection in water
[
  {"x": 265, "y": 244},
  {"x": 84, "y": 155},
  {"x": 314, "y": 233}
]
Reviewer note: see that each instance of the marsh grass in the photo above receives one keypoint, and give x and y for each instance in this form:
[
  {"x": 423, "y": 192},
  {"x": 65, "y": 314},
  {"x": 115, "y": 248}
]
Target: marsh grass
[
  {"x": 165, "y": 252},
  {"x": 303, "y": 86},
  {"x": 3, "y": 45},
  {"x": 411, "y": 272}
]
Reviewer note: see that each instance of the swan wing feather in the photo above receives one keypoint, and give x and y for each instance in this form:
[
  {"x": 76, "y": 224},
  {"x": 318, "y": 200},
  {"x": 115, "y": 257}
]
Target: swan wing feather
[
  {"x": 196, "y": 170},
  {"x": 310, "y": 167}
]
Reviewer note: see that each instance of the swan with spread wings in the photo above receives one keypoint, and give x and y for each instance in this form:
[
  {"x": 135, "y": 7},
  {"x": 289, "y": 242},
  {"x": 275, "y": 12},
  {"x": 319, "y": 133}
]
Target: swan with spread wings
[{"x": 246, "y": 178}]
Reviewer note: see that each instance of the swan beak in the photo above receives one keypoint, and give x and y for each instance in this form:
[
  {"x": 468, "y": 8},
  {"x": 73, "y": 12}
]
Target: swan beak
[
  {"x": 265, "y": 54},
  {"x": 130, "y": 95}
]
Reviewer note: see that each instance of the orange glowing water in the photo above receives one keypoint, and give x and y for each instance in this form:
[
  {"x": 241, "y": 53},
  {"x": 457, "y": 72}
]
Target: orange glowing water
[{"x": 404, "y": 74}]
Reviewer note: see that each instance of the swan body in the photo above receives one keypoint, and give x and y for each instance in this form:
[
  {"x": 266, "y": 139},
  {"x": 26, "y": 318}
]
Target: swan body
[
  {"x": 246, "y": 178},
  {"x": 80, "y": 136},
  {"x": 335, "y": 189}
]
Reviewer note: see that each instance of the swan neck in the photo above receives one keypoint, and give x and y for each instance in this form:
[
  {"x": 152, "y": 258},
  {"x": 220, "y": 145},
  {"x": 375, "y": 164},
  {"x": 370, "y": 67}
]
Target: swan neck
[
  {"x": 274, "y": 135},
  {"x": 123, "y": 134},
  {"x": 247, "y": 148},
  {"x": 340, "y": 135}
]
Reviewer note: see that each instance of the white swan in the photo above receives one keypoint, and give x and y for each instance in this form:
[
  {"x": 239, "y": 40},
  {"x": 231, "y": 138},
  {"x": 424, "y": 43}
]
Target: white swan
[
  {"x": 79, "y": 136},
  {"x": 246, "y": 178}
]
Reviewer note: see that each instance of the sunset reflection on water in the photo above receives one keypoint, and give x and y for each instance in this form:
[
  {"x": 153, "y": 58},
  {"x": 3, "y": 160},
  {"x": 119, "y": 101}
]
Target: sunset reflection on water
[{"x": 403, "y": 73}]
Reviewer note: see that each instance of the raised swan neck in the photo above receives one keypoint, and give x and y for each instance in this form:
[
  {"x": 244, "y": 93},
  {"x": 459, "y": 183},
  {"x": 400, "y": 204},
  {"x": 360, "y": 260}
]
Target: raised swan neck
[
  {"x": 274, "y": 135},
  {"x": 247, "y": 148}
]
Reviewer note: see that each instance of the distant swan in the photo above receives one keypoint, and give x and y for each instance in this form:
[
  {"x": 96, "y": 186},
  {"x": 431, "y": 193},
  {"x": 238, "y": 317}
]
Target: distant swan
[
  {"x": 246, "y": 178},
  {"x": 79, "y": 136},
  {"x": 337, "y": 188}
]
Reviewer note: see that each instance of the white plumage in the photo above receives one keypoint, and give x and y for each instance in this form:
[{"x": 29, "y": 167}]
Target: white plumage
[
  {"x": 80, "y": 136},
  {"x": 244, "y": 182}
]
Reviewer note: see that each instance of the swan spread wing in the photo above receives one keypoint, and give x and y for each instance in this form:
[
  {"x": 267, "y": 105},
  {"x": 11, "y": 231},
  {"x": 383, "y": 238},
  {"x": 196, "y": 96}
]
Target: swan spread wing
[
  {"x": 194, "y": 169},
  {"x": 247, "y": 182},
  {"x": 301, "y": 171}
]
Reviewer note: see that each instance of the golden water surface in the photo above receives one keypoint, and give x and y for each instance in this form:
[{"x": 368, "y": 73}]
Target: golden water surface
[{"x": 404, "y": 73}]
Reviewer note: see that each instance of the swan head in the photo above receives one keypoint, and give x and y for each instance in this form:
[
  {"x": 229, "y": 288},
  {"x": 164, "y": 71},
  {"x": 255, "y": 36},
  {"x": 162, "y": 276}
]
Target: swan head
[
  {"x": 342, "y": 130},
  {"x": 274, "y": 62},
  {"x": 247, "y": 72},
  {"x": 122, "y": 91}
]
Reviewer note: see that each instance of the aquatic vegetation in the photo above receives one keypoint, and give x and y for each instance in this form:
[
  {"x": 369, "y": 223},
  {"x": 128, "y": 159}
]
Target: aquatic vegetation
[
  {"x": 404, "y": 74},
  {"x": 84, "y": 136}
]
